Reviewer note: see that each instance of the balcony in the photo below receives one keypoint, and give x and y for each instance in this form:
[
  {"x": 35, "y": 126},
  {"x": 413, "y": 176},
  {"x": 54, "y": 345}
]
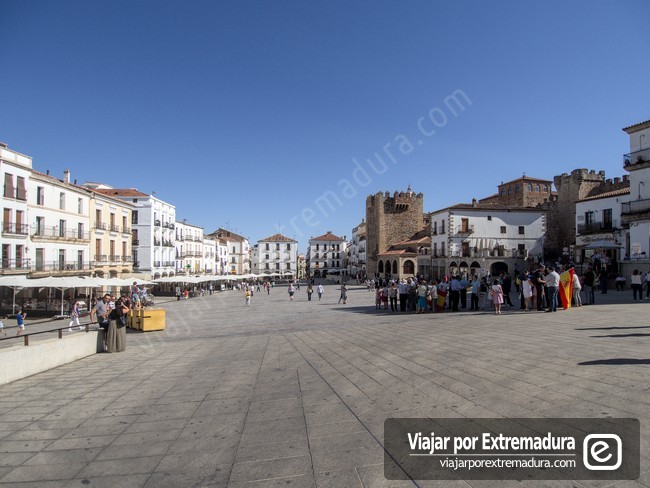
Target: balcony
[
  {"x": 637, "y": 160},
  {"x": 57, "y": 234},
  {"x": 115, "y": 228},
  {"x": 156, "y": 242},
  {"x": 635, "y": 210},
  {"x": 126, "y": 230},
  {"x": 101, "y": 258},
  {"x": 156, "y": 264},
  {"x": 10, "y": 228},
  {"x": 157, "y": 223},
  {"x": 15, "y": 264},
  {"x": 62, "y": 266},
  {"x": 464, "y": 230},
  {"x": 136, "y": 265},
  {"x": 135, "y": 242},
  {"x": 596, "y": 227},
  {"x": 167, "y": 225},
  {"x": 100, "y": 226}
]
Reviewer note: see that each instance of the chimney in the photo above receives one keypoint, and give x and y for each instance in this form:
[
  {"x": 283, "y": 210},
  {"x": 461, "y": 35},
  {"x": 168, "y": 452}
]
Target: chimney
[{"x": 66, "y": 176}]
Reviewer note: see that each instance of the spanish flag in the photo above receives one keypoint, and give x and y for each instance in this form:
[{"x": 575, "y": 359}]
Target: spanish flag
[
  {"x": 440, "y": 303},
  {"x": 566, "y": 288}
]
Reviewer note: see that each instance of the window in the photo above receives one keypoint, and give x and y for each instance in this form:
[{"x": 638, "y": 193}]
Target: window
[
  {"x": 521, "y": 230},
  {"x": 537, "y": 188},
  {"x": 442, "y": 226},
  {"x": 124, "y": 222},
  {"x": 489, "y": 217},
  {"x": 62, "y": 200},
  {"x": 442, "y": 249},
  {"x": 503, "y": 229},
  {"x": 530, "y": 187},
  {"x": 266, "y": 256},
  {"x": 80, "y": 259},
  {"x": 317, "y": 247},
  {"x": 288, "y": 266},
  {"x": 61, "y": 258},
  {"x": 61, "y": 228},
  {"x": 509, "y": 190},
  {"x": 40, "y": 195},
  {"x": 80, "y": 230},
  {"x": 233, "y": 260},
  {"x": 277, "y": 246},
  {"x": 268, "y": 247},
  {"x": 521, "y": 248},
  {"x": 40, "y": 226},
  {"x": 234, "y": 250},
  {"x": 545, "y": 188},
  {"x": 134, "y": 217},
  {"x": 288, "y": 247},
  {"x": 607, "y": 218},
  {"x": 518, "y": 188},
  {"x": 9, "y": 186},
  {"x": 589, "y": 217},
  {"x": 435, "y": 249},
  {"x": 21, "y": 191},
  {"x": 98, "y": 217},
  {"x": 503, "y": 192},
  {"x": 277, "y": 265}
]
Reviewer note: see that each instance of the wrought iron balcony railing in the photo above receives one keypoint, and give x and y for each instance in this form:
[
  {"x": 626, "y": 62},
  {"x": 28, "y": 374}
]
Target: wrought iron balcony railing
[
  {"x": 15, "y": 229},
  {"x": 593, "y": 227},
  {"x": 635, "y": 206}
]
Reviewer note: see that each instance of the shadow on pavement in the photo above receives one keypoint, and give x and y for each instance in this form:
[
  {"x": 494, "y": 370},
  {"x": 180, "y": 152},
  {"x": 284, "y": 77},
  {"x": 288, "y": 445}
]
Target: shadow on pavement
[
  {"x": 623, "y": 335},
  {"x": 615, "y": 328},
  {"x": 615, "y": 362}
]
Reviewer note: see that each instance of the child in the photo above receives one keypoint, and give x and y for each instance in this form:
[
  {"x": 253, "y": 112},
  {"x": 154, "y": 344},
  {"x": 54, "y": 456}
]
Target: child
[
  {"x": 2, "y": 324},
  {"x": 20, "y": 320}
]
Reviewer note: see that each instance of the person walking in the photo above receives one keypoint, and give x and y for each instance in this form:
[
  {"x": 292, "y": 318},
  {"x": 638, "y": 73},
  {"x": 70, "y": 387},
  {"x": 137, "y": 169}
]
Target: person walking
[
  {"x": 553, "y": 285},
  {"x": 539, "y": 282},
  {"x": 423, "y": 291},
  {"x": 403, "y": 291},
  {"x": 292, "y": 291},
  {"x": 636, "y": 284},
  {"x": 528, "y": 288},
  {"x": 646, "y": 280},
  {"x": 344, "y": 294},
  {"x": 74, "y": 316},
  {"x": 20, "y": 321},
  {"x": 320, "y": 291},
  {"x": 247, "y": 294},
  {"x": 590, "y": 283},
  {"x": 392, "y": 296},
  {"x": 310, "y": 290},
  {"x": 577, "y": 288},
  {"x": 497, "y": 295}
]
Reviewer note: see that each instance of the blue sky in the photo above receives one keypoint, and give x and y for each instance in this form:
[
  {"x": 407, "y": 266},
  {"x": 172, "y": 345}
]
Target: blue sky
[{"x": 251, "y": 115}]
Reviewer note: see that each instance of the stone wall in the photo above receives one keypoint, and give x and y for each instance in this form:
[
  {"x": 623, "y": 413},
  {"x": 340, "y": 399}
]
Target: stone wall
[{"x": 391, "y": 219}]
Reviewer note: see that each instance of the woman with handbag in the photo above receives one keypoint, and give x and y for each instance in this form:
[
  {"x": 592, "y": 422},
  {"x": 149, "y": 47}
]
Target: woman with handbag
[{"x": 496, "y": 292}]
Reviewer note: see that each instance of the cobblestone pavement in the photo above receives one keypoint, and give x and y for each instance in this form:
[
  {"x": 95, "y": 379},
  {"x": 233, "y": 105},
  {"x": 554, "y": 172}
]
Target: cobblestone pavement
[{"x": 296, "y": 393}]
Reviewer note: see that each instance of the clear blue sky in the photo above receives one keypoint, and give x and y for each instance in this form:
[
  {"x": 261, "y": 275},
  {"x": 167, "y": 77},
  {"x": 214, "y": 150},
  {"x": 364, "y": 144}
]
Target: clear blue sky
[{"x": 251, "y": 114}]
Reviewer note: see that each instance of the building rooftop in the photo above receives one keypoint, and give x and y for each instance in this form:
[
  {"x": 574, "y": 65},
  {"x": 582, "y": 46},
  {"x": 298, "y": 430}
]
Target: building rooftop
[
  {"x": 526, "y": 178},
  {"x": 277, "y": 238},
  {"x": 121, "y": 192},
  {"x": 608, "y": 194},
  {"x": 637, "y": 127},
  {"x": 327, "y": 237}
]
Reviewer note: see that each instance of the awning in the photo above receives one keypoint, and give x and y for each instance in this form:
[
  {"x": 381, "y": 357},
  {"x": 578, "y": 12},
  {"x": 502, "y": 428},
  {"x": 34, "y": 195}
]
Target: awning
[{"x": 602, "y": 245}]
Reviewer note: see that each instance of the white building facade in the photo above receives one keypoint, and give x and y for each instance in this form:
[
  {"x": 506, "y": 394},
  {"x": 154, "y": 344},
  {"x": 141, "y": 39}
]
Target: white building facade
[
  {"x": 59, "y": 226},
  {"x": 276, "y": 254},
  {"x": 189, "y": 249},
  {"x": 357, "y": 250},
  {"x": 153, "y": 224},
  {"x": 635, "y": 212},
  {"x": 238, "y": 251},
  {"x": 476, "y": 239},
  {"x": 326, "y": 254},
  {"x": 15, "y": 169}
]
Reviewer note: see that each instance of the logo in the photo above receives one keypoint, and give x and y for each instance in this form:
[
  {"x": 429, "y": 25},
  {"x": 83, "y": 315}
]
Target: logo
[{"x": 602, "y": 452}]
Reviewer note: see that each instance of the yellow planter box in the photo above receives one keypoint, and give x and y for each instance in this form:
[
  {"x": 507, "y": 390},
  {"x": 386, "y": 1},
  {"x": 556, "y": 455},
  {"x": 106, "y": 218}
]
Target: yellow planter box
[
  {"x": 152, "y": 320},
  {"x": 134, "y": 319}
]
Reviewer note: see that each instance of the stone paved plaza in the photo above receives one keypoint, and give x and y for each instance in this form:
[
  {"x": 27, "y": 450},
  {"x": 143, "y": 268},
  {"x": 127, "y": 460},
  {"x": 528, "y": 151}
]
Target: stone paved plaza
[{"x": 296, "y": 394}]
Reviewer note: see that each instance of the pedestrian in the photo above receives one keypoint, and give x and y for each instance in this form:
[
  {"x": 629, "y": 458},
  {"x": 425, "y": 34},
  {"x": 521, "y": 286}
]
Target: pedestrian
[
  {"x": 74, "y": 316},
  {"x": 527, "y": 289},
  {"x": 577, "y": 288},
  {"x": 178, "y": 293},
  {"x": 476, "y": 288},
  {"x": 392, "y": 296},
  {"x": 423, "y": 291},
  {"x": 590, "y": 283},
  {"x": 433, "y": 294},
  {"x": 248, "y": 297},
  {"x": 20, "y": 320},
  {"x": 553, "y": 286},
  {"x": 507, "y": 286},
  {"x": 646, "y": 280},
  {"x": 310, "y": 290},
  {"x": 116, "y": 337},
  {"x": 637, "y": 284},
  {"x": 455, "y": 293},
  {"x": 210, "y": 288},
  {"x": 344, "y": 294},
  {"x": 320, "y": 291},
  {"x": 482, "y": 293},
  {"x": 497, "y": 295},
  {"x": 2, "y": 324},
  {"x": 291, "y": 290},
  {"x": 403, "y": 291},
  {"x": 539, "y": 282}
]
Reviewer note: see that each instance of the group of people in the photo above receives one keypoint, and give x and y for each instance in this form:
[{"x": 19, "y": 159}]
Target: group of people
[
  {"x": 538, "y": 289},
  {"x": 110, "y": 314}
]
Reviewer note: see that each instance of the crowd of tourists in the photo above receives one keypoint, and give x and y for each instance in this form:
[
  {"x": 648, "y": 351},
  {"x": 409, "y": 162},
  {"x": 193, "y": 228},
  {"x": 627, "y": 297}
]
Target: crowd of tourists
[{"x": 536, "y": 289}]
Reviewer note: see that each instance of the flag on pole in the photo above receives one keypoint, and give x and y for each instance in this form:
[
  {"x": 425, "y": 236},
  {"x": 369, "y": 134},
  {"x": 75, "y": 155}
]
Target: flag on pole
[
  {"x": 566, "y": 288},
  {"x": 440, "y": 303}
]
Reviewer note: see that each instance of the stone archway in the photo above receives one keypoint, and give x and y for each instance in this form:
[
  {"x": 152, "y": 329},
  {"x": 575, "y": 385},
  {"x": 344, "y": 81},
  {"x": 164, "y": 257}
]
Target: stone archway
[
  {"x": 395, "y": 268},
  {"x": 408, "y": 268},
  {"x": 499, "y": 267},
  {"x": 380, "y": 267}
]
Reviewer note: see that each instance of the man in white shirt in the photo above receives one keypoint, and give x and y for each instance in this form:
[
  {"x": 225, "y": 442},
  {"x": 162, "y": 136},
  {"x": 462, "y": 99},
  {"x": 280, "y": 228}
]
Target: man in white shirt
[
  {"x": 552, "y": 283},
  {"x": 403, "y": 290}
]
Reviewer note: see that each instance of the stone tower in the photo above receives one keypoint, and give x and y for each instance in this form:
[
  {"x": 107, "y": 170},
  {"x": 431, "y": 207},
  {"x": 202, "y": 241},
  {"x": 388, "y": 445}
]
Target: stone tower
[
  {"x": 391, "y": 219},
  {"x": 561, "y": 217}
]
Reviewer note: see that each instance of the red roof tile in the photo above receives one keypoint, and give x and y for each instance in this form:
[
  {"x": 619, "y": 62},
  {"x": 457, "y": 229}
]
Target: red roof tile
[
  {"x": 121, "y": 192},
  {"x": 327, "y": 237},
  {"x": 277, "y": 238}
]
